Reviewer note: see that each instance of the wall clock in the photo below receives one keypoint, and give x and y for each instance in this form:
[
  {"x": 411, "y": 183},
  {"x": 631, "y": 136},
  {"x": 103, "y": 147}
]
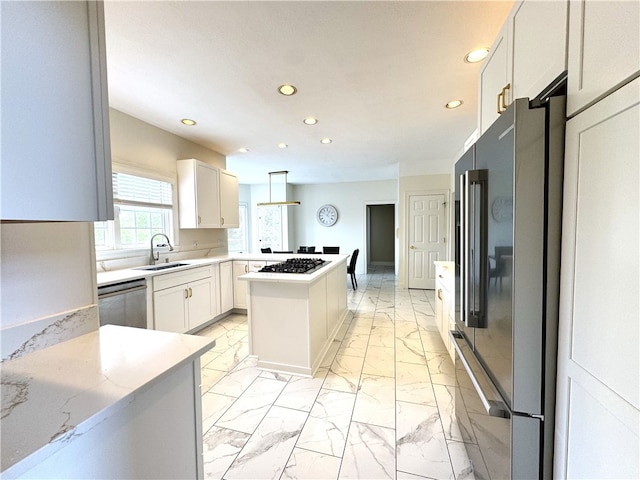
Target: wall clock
[{"x": 327, "y": 215}]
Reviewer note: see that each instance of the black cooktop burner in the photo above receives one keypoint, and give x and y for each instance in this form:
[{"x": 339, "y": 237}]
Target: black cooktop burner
[{"x": 295, "y": 265}]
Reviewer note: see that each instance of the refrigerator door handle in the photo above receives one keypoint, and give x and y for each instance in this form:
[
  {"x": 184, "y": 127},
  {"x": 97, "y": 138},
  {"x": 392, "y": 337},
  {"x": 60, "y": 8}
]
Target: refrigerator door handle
[
  {"x": 474, "y": 296},
  {"x": 491, "y": 400}
]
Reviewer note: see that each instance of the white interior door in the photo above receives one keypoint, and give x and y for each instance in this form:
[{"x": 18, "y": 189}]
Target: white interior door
[{"x": 426, "y": 238}]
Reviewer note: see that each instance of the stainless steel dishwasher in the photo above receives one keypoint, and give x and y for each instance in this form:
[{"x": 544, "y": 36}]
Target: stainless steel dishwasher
[{"x": 123, "y": 303}]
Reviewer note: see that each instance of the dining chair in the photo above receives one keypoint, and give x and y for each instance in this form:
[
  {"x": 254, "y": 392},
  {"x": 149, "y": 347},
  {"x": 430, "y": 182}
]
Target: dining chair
[{"x": 351, "y": 268}]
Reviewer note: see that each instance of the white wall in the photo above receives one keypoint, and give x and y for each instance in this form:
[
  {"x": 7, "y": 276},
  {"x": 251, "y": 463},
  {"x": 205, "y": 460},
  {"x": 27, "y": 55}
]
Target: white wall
[
  {"x": 350, "y": 199},
  {"x": 145, "y": 148}
]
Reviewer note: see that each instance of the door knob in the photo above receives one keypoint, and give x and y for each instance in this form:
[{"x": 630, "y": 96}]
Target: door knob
[{"x": 412, "y": 247}]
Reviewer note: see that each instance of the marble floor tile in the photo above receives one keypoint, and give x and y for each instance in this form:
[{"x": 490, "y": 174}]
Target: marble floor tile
[
  {"x": 209, "y": 377},
  {"x": 409, "y": 349},
  {"x": 355, "y": 343},
  {"x": 382, "y": 336},
  {"x": 344, "y": 374},
  {"x": 445, "y": 395},
  {"x": 266, "y": 453},
  {"x": 421, "y": 446},
  {"x": 230, "y": 357},
  {"x": 309, "y": 465},
  {"x": 383, "y": 319},
  {"x": 432, "y": 341},
  {"x": 250, "y": 408},
  {"x": 213, "y": 407},
  {"x": 376, "y": 401},
  {"x": 379, "y": 361},
  {"x": 238, "y": 380},
  {"x": 441, "y": 368},
  {"x": 328, "y": 423},
  {"x": 369, "y": 453},
  {"x": 413, "y": 384},
  {"x": 300, "y": 392},
  {"x": 380, "y": 406},
  {"x": 220, "y": 449}
]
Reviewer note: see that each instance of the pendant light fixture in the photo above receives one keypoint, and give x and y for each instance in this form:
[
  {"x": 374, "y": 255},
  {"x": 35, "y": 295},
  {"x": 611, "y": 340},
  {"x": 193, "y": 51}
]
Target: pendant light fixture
[{"x": 272, "y": 203}]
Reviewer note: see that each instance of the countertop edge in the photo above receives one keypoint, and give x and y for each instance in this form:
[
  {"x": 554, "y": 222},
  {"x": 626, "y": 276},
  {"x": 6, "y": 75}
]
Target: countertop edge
[{"x": 23, "y": 462}]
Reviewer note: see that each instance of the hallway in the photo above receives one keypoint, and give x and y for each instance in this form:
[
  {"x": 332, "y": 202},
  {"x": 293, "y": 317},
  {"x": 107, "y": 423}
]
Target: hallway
[{"x": 380, "y": 405}]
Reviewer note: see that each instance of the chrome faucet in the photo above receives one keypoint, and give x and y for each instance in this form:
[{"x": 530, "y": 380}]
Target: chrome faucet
[{"x": 153, "y": 257}]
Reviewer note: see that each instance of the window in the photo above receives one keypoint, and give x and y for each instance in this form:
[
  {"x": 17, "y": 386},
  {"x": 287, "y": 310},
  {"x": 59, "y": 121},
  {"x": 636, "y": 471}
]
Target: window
[
  {"x": 237, "y": 238},
  {"x": 143, "y": 207}
]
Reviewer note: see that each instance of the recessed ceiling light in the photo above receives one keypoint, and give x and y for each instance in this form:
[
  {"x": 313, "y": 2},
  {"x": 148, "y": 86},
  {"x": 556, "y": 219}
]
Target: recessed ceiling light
[
  {"x": 188, "y": 122},
  {"x": 326, "y": 140},
  {"x": 243, "y": 150},
  {"x": 287, "y": 89},
  {"x": 475, "y": 56},
  {"x": 310, "y": 121},
  {"x": 454, "y": 104},
  {"x": 282, "y": 145}
]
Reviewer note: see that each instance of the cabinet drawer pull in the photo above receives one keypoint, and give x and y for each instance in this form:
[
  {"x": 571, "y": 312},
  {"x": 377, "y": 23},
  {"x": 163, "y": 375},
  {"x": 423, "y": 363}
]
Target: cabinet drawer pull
[
  {"x": 498, "y": 103},
  {"x": 199, "y": 220},
  {"x": 246, "y": 269},
  {"x": 186, "y": 293},
  {"x": 439, "y": 294},
  {"x": 190, "y": 292},
  {"x": 222, "y": 221}
]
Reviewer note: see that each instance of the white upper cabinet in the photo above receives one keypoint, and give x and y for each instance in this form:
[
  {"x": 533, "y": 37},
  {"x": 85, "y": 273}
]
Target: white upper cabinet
[
  {"x": 56, "y": 160},
  {"x": 198, "y": 187},
  {"x": 229, "y": 200},
  {"x": 527, "y": 55},
  {"x": 207, "y": 196},
  {"x": 604, "y": 49},
  {"x": 495, "y": 80}
]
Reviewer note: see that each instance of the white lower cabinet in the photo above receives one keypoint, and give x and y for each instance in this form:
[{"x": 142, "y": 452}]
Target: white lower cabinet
[
  {"x": 226, "y": 286},
  {"x": 240, "y": 267},
  {"x": 184, "y": 300},
  {"x": 445, "y": 295}
]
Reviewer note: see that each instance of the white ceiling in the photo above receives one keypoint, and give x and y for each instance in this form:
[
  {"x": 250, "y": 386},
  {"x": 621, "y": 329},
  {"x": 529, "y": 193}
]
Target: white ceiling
[{"x": 376, "y": 74}]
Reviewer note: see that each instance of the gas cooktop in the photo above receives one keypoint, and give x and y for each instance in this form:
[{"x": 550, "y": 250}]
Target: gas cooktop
[{"x": 295, "y": 265}]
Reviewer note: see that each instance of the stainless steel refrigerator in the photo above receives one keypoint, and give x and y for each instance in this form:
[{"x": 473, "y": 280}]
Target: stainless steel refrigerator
[{"x": 507, "y": 264}]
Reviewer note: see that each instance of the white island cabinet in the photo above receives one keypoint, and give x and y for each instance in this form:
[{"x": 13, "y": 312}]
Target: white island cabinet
[
  {"x": 118, "y": 402},
  {"x": 293, "y": 318}
]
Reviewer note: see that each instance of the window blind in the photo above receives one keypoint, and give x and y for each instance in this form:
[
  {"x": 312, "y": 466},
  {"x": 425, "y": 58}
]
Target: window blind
[{"x": 133, "y": 190}]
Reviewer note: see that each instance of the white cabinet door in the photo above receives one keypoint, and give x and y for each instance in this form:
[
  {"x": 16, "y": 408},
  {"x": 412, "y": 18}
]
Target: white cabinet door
[
  {"x": 56, "y": 159},
  {"x": 201, "y": 302},
  {"x": 229, "y": 200},
  {"x": 523, "y": 61},
  {"x": 539, "y": 42},
  {"x": 495, "y": 80},
  {"x": 170, "y": 309},
  {"x": 198, "y": 194},
  {"x": 239, "y": 286},
  {"x": 226, "y": 286},
  {"x": 604, "y": 49},
  {"x": 598, "y": 391}
]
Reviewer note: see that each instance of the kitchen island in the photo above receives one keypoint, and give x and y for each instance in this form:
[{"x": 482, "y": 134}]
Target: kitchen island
[
  {"x": 118, "y": 402},
  {"x": 293, "y": 318}
]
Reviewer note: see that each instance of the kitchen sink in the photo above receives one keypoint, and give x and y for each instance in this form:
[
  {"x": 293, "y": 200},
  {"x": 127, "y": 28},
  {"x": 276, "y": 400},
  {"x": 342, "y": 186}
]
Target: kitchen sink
[{"x": 163, "y": 266}]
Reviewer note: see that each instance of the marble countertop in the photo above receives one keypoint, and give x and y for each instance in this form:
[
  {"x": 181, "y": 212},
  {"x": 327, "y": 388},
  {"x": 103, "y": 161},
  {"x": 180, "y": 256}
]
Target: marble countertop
[
  {"x": 116, "y": 276},
  {"x": 53, "y": 395},
  {"x": 336, "y": 261}
]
